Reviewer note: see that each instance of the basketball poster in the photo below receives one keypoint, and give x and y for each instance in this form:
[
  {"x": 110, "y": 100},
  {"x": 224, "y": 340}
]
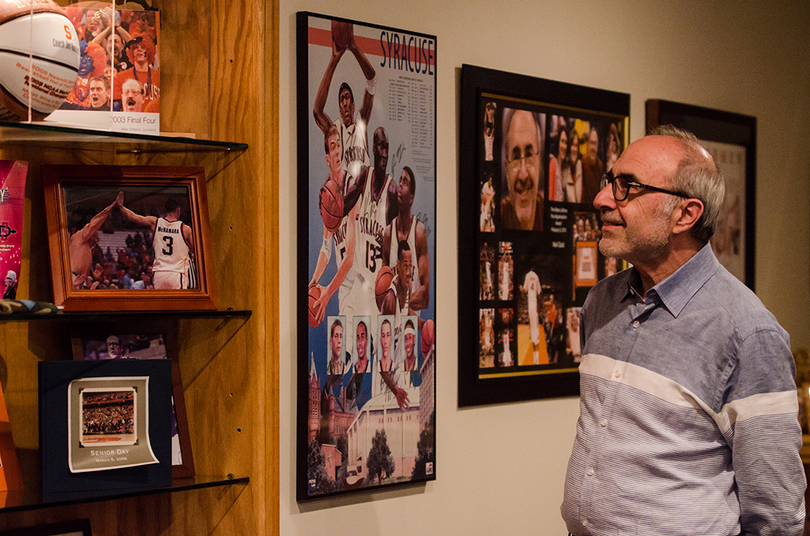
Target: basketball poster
[{"x": 366, "y": 275}]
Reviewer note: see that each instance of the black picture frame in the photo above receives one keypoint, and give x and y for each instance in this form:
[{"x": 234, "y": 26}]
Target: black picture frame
[
  {"x": 61, "y": 438},
  {"x": 726, "y": 135},
  {"x": 341, "y": 432},
  {"x": 61, "y": 528},
  {"x": 552, "y": 231}
]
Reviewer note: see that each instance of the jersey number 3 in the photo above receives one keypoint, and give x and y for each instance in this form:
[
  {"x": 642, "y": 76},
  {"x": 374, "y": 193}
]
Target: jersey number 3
[{"x": 168, "y": 247}]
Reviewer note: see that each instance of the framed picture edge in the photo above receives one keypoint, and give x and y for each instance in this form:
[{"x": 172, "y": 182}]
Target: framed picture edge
[{"x": 55, "y": 177}]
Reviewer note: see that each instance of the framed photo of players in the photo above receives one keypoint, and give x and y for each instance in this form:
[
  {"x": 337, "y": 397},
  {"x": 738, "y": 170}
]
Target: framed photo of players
[
  {"x": 129, "y": 237},
  {"x": 114, "y": 341},
  {"x": 366, "y": 261},
  {"x": 732, "y": 141},
  {"x": 532, "y": 155}
]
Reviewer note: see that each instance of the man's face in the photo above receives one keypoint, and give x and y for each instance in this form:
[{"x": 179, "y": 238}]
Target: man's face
[
  {"x": 139, "y": 53},
  {"x": 346, "y": 104},
  {"x": 522, "y": 176},
  {"x": 404, "y": 269},
  {"x": 380, "y": 151},
  {"x": 337, "y": 342},
  {"x": 115, "y": 348},
  {"x": 98, "y": 94},
  {"x": 593, "y": 146},
  {"x": 132, "y": 96},
  {"x": 116, "y": 45},
  {"x": 410, "y": 339},
  {"x": 333, "y": 156},
  {"x": 404, "y": 195},
  {"x": 639, "y": 229},
  {"x": 362, "y": 340},
  {"x": 385, "y": 339},
  {"x": 9, "y": 282}
]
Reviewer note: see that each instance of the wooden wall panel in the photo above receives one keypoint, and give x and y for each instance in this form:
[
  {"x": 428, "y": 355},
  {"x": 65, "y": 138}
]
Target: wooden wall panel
[{"x": 219, "y": 63}]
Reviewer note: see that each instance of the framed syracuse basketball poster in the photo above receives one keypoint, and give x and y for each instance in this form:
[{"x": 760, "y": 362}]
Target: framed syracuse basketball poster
[
  {"x": 367, "y": 256},
  {"x": 533, "y": 152}
]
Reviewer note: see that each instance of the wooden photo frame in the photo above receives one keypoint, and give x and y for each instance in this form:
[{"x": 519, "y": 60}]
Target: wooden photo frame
[
  {"x": 732, "y": 141},
  {"x": 527, "y": 181},
  {"x": 74, "y": 527},
  {"x": 119, "y": 343},
  {"x": 94, "y": 267}
]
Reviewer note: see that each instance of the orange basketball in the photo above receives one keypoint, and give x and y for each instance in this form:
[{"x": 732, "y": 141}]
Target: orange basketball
[
  {"x": 342, "y": 33},
  {"x": 428, "y": 333},
  {"x": 382, "y": 289},
  {"x": 331, "y": 204},
  {"x": 314, "y": 295}
]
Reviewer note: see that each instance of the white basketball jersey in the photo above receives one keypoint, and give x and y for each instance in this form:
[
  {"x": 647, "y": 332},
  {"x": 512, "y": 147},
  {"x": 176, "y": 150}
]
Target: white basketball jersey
[
  {"x": 354, "y": 145},
  {"x": 393, "y": 253},
  {"x": 371, "y": 221},
  {"x": 171, "y": 250}
]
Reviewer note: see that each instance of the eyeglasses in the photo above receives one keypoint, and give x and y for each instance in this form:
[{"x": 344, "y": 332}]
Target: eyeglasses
[
  {"x": 528, "y": 159},
  {"x": 622, "y": 183}
]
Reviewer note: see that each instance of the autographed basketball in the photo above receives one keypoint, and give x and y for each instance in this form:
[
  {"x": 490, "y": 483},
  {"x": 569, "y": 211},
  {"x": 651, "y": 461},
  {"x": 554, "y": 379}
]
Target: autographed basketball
[
  {"x": 314, "y": 296},
  {"x": 342, "y": 34},
  {"x": 331, "y": 203},
  {"x": 41, "y": 39},
  {"x": 386, "y": 296},
  {"x": 428, "y": 333}
]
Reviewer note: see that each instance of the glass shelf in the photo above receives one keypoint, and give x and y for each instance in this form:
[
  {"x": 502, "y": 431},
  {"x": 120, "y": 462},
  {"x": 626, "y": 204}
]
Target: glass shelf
[
  {"x": 32, "y": 499},
  {"x": 124, "y": 142},
  {"x": 122, "y": 315}
]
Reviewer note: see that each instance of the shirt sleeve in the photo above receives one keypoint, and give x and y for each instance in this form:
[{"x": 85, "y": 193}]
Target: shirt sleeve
[{"x": 765, "y": 436}]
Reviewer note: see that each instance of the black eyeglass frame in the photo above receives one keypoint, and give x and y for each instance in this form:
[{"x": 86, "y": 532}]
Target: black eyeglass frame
[{"x": 608, "y": 178}]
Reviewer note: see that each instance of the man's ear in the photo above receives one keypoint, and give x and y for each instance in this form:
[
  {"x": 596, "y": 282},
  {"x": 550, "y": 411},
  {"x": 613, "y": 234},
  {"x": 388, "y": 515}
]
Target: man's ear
[{"x": 689, "y": 212}]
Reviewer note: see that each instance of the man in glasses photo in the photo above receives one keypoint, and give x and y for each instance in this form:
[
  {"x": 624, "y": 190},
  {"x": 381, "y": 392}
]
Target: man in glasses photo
[
  {"x": 523, "y": 139},
  {"x": 688, "y": 410}
]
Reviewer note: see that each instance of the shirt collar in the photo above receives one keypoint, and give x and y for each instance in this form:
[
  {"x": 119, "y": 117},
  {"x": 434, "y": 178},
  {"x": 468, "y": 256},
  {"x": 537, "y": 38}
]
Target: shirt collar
[{"x": 676, "y": 290}]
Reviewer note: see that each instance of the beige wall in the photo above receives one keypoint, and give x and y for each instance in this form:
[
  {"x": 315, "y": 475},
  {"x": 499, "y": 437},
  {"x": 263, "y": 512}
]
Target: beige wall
[{"x": 500, "y": 469}]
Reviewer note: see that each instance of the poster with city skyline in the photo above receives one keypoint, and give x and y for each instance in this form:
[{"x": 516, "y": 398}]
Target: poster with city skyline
[{"x": 366, "y": 270}]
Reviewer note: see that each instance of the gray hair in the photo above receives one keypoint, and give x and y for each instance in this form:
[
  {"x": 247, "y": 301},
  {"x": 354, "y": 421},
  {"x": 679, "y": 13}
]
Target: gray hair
[{"x": 698, "y": 176}]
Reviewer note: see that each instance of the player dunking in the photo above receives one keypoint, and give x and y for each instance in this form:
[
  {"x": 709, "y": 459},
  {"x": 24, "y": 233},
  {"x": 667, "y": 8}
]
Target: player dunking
[
  {"x": 173, "y": 245},
  {"x": 351, "y": 127},
  {"x": 343, "y": 238}
]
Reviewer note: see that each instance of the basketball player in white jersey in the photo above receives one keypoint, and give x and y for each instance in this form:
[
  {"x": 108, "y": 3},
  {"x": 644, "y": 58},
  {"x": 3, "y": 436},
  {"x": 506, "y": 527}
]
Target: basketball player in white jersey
[
  {"x": 173, "y": 267},
  {"x": 351, "y": 126},
  {"x": 531, "y": 285},
  {"x": 406, "y": 227},
  {"x": 343, "y": 239},
  {"x": 374, "y": 193}
]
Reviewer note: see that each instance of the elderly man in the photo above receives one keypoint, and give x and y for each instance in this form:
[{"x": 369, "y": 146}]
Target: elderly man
[
  {"x": 688, "y": 410},
  {"x": 523, "y": 207}
]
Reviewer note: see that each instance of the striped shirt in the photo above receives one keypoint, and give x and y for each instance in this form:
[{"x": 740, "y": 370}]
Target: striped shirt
[{"x": 688, "y": 414}]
